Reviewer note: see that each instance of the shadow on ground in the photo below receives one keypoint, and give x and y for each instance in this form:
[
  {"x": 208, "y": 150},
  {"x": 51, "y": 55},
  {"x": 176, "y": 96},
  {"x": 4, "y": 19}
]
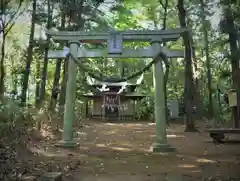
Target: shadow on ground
[{"x": 122, "y": 151}]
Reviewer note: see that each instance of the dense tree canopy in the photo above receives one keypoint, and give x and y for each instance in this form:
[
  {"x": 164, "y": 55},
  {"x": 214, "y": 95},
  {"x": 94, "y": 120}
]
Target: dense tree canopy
[{"x": 212, "y": 48}]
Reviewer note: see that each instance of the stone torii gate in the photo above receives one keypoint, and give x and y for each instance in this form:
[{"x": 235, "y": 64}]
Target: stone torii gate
[{"x": 116, "y": 50}]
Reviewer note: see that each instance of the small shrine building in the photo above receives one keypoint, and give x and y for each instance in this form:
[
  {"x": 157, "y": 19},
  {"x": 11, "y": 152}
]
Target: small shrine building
[{"x": 112, "y": 100}]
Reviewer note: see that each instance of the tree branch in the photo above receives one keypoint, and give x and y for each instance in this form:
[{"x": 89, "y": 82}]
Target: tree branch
[
  {"x": 161, "y": 3},
  {"x": 9, "y": 26},
  {"x": 10, "y": 23}
]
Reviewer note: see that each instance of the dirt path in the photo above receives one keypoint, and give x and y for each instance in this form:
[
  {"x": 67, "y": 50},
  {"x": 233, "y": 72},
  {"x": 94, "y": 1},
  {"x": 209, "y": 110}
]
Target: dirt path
[{"x": 121, "y": 152}]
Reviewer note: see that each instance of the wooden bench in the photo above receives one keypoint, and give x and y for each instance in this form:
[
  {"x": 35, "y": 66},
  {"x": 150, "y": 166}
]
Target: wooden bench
[{"x": 218, "y": 134}]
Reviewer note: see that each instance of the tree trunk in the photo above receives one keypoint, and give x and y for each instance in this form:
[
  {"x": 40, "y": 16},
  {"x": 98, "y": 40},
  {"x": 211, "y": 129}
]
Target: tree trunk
[
  {"x": 195, "y": 71},
  {"x": 2, "y": 31},
  {"x": 167, "y": 65},
  {"x": 29, "y": 55},
  {"x": 65, "y": 72},
  {"x": 6, "y": 25},
  {"x": 63, "y": 85},
  {"x": 208, "y": 61},
  {"x": 4, "y": 34},
  {"x": 232, "y": 33},
  {"x": 188, "y": 87},
  {"x": 2, "y": 68},
  {"x": 65, "y": 67},
  {"x": 38, "y": 81},
  {"x": 196, "y": 89},
  {"x": 55, "y": 89},
  {"x": 45, "y": 65},
  {"x": 14, "y": 80}
]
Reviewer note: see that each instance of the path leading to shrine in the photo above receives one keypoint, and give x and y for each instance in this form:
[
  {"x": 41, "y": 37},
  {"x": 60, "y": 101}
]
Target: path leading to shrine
[{"x": 120, "y": 151}]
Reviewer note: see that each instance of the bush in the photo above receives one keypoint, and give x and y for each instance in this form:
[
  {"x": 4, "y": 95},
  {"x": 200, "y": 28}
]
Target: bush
[
  {"x": 14, "y": 124},
  {"x": 14, "y": 120}
]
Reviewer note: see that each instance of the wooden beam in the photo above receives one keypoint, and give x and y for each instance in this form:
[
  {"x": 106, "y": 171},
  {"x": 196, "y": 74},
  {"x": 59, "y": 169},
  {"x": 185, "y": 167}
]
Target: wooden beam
[
  {"x": 127, "y": 53},
  {"x": 130, "y": 32},
  {"x": 141, "y": 38},
  {"x": 144, "y": 35}
]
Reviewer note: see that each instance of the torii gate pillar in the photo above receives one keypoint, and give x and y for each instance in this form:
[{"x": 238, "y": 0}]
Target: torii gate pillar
[
  {"x": 160, "y": 144},
  {"x": 69, "y": 107}
]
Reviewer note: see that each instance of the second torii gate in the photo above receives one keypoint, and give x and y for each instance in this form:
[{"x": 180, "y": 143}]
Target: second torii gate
[{"x": 116, "y": 50}]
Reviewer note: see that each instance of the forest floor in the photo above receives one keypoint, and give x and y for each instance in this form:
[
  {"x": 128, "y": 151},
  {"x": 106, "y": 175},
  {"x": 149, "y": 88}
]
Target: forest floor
[{"x": 121, "y": 151}]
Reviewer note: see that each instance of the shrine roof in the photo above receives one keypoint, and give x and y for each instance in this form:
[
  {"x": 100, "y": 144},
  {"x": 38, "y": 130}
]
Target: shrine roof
[
  {"x": 100, "y": 94},
  {"x": 120, "y": 84},
  {"x": 108, "y": 82}
]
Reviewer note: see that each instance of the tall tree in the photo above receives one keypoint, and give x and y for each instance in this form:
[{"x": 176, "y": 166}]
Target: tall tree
[
  {"x": 228, "y": 26},
  {"x": 7, "y": 20},
  {"x": 55, "y": 89},
  {"x": 45, "y": 61},
  {"x": 205, "y": 25},
  {"x": 189, "y": 85},
  {"x": 73, "y": 11},
  {"x": 29, "y": 54},
  {"x": 167, "y": 65}
]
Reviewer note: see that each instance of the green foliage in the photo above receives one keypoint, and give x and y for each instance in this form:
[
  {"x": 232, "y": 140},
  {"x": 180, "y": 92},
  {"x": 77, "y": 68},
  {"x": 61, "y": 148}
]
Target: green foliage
[
  {"x": 14, "y": 120},
  {"x": 101, "y": 15},
  {"x": 225, "y": 74}
]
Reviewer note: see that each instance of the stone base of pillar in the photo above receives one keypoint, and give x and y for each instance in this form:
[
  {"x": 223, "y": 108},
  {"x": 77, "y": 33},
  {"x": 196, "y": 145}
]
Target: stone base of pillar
[
  {"x": 66, "y": 144},
  {"x": 162, "y": 147}
]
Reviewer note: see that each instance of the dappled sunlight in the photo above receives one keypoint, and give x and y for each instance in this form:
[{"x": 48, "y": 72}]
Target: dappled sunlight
[
  {"x": 187, "y": 166},
  {"x": 175, "y": 136},
  {"x": 197, "y": 158},
  {"x": 114, "y": 131},
  {"x": 46, "y": 133},
  {"x": 84, "y": 148},
  {"x": 126, "y": 144},
  {"x": 112, "y": 124},
  {"x": 130, "y": 148},
  {"x": 102, "y": 145},
  {"x": 126, "y": 125},
  {"x": 170, "y": 136},
  {"x": 126, "y": 147},
  {"x": 108, "y": 145},
  {"x": 204, "y": 160},
  {"x": 121, "y": 149},
  {"x": 81, "y": 133},
  {"x": 138, "y": 131},
  {"x": 134, "y": 125},
  {"x": 217, "y": 158},
  {"x": 43, "y": 152}
]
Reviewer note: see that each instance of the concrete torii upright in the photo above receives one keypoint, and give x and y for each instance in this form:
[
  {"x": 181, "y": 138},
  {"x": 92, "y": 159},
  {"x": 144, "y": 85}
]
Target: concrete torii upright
[{"x": 116, "y": 50}]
